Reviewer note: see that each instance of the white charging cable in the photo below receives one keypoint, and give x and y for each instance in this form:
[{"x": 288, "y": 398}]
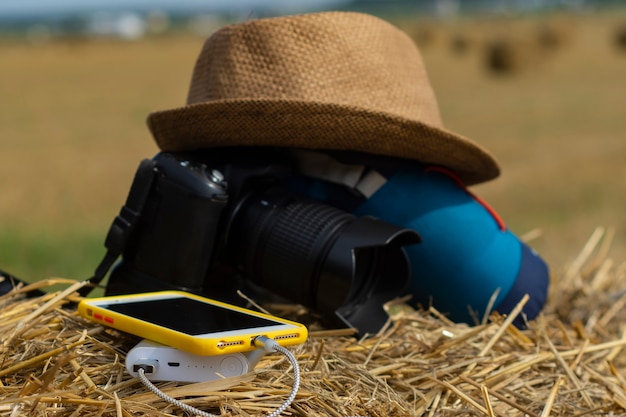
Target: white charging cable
[{"x": 269, "y": 345}]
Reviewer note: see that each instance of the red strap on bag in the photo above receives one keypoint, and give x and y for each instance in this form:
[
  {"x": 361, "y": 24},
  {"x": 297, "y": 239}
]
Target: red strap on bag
[{"x": 479, "y": 200}]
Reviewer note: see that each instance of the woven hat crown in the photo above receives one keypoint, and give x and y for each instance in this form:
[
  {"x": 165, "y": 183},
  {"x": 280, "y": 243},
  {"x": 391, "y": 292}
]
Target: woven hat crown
[
  {"x": 365, "y": 63},
  {"x": 333, "y": 80}
]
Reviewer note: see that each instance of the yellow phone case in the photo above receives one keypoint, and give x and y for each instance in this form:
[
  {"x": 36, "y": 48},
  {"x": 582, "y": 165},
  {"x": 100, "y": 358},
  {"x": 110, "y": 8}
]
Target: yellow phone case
[{"x": 291, "y": 334}]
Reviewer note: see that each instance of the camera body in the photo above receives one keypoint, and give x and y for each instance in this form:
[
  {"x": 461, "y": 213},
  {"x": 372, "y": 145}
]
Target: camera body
[{"x": 214, "y": 222}]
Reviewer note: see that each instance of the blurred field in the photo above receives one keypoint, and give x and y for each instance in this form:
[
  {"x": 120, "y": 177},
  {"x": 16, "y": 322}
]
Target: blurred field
[{"x": 72, "y": 130}]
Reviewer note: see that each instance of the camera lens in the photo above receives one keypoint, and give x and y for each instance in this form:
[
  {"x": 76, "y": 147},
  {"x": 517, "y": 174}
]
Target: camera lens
[
  {"x": 287, "y": 242},
  {"x": 320, "y": 256}
]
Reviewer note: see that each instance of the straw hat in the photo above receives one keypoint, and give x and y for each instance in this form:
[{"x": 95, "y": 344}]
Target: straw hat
[{"x": 331, "y": 80}]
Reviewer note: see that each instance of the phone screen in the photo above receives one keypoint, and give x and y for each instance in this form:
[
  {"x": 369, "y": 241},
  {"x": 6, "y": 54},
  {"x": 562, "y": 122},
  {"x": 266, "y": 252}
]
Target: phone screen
[{"x": 189, "y": 316}]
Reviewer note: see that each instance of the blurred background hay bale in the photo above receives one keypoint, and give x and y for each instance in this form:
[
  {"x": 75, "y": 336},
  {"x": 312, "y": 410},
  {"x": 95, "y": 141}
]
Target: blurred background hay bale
[
  {"x": 526, "y": 46},
  {"x": 425, "y": 34},
  {"x": 555, "y": 32},
  {"x": 620, "y": 36},
  {"x": 462, "y": 42},
  {"x": 505, "y": 55}
]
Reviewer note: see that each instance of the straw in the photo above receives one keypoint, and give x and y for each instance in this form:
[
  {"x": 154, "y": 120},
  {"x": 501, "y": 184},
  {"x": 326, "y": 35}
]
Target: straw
[{"x": 570, "y": 361}]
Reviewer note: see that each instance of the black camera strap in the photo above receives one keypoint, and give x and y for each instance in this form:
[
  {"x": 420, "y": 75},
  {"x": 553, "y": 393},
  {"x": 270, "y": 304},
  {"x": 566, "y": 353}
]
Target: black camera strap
[{"x": 125, "y": 222}]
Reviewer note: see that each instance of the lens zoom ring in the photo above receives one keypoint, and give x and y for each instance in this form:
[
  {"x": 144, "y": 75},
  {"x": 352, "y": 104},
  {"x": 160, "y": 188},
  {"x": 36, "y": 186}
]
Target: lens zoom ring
[{"x": 297, "y": 243}]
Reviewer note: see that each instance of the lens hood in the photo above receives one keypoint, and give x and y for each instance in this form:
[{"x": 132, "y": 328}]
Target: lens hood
[{"x": 365, "y": 268}]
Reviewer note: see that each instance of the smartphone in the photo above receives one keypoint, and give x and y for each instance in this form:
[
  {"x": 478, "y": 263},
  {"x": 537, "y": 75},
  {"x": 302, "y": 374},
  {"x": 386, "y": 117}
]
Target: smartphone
[{"x": 190, "y": 322}]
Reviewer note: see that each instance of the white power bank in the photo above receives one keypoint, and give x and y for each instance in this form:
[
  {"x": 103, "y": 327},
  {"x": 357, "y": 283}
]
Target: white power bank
[{"x": 165, "y": 363}]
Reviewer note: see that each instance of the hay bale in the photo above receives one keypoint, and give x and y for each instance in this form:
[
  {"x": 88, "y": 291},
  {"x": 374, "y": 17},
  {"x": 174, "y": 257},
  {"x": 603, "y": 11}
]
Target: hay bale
[
  {"x": 568, "y": 362},
  {"x": 553, "y": 34},
  {"x": 504, "y": 56},
  {"x": 619, "y": 37},
  {"x": 423, "y": 33},
  {"x": 460, "y": 43},
  {"x": 524, "y": 45}
]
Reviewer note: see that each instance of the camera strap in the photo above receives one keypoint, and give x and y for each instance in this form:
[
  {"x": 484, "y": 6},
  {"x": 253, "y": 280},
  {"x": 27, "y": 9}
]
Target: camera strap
[
  {"x": 324, "y": 167},
  {"x": 125, "y": 222}
]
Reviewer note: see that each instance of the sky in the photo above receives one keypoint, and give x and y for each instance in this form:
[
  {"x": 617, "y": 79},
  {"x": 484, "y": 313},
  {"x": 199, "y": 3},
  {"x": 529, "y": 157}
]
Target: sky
[{"x": 26, "y": 7}]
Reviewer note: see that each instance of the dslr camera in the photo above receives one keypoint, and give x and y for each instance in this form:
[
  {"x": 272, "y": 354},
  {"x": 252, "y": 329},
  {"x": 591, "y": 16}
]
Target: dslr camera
[{"x": 214, "y": 222}]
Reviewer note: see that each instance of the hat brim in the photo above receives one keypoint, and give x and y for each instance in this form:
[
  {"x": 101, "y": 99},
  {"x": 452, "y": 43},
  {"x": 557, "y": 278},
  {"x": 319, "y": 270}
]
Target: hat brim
[{"x": 318, "y": 125}]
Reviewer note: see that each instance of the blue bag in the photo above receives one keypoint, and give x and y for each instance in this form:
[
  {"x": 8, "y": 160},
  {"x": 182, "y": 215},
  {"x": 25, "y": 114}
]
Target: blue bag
[{"x": 467, "y": 254}]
